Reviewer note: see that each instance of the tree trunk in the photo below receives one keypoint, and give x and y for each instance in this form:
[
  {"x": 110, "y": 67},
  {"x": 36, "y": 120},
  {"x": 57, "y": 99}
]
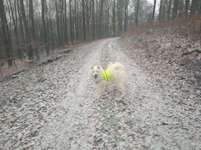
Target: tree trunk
[
  {"x": 44, "y": 14},
  {"x": 6, "y": 34},
  {"x": 32, "y": 27},
  {"x": 83, "y": 20},
  {"x": 194, "y": 7},
  {"x": 21, "y": 32},
  {"x": 126, "y": 16},
  {"x": 76, "y": 20},
  {"x": 15, "y": 24},
  {"x": 137, "y": 12},
  {"x": 71, "y": 22},
  {"x": 120, "y": 15},
  {"x": 175, "y": 9},
  {"x": 24, "y": 19},
  {"x": 31, "y": 16},
  {"x": 161, "y": 11},
  {"x": 154, "y": 8},
  {"x": 93, "y": 19},
  {"x": 65, "y": 23},
  {"x": 169, "y": 10},
  {"x": 114, "y": 18},
  {"x": 101, "y": 19}
]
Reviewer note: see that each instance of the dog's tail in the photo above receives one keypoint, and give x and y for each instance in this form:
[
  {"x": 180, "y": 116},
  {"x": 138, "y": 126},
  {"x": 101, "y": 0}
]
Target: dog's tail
[{"x": 118, "y": 66}]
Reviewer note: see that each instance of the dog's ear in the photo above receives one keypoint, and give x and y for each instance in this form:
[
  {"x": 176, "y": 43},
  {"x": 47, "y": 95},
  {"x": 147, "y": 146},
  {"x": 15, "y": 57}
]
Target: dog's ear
[{"x": 109, "y": 63}]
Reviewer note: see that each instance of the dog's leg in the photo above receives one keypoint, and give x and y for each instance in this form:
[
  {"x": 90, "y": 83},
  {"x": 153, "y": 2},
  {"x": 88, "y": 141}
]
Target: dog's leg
[
  {"x": 99, "y": 92},
  {"x": 121, "y": 87},
  {"x": 100, "y": 89}
]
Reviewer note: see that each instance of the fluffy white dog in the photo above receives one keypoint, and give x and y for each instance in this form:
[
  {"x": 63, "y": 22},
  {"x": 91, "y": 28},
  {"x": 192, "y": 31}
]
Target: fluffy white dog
[{"x": 115, "y": 74}]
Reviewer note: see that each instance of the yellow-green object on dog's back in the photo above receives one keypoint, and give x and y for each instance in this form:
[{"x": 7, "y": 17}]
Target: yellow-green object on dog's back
[{"x": 107, "y": 75}]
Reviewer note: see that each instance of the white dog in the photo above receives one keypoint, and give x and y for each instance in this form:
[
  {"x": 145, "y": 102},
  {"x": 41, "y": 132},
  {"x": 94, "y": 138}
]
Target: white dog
[{"x": 114, "y": 74}]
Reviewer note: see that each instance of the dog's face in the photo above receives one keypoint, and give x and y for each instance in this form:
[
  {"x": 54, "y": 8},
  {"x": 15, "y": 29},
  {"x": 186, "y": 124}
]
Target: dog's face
[{"x": 96, "y": 72}]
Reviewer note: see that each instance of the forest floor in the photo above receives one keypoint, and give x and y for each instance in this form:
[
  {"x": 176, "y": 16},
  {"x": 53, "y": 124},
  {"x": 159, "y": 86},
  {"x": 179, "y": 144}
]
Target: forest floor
[{"x": 55, "y": 106}]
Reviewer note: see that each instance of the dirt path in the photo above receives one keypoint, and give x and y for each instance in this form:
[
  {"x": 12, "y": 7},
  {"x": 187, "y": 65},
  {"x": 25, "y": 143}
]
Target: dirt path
[{"x": 56, "y": 107}]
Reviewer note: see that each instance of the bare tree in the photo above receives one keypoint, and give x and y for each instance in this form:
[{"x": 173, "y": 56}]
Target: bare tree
[
  {"x": 101, "y": 18},
  {"x": 93, "y": 19},
  {"x": 175, "y": 8},
  {"x": 187, "y": 2},
  {"x": 6, "y": 33},
  {"x": 194, "y": 7},
  {"x": 114, "y": 18},
  {"x": 169, "y": 10},
  {"x": 154, "y": 9},
  {"x": 126, "y": 15},
  {"x": 83, "y": 20},
  {"x": 44, "y": 21},
  {"x": 137, "y": 12}
]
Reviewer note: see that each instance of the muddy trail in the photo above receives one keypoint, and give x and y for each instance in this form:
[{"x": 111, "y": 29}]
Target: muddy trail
[{"x": 55, "y": 106}]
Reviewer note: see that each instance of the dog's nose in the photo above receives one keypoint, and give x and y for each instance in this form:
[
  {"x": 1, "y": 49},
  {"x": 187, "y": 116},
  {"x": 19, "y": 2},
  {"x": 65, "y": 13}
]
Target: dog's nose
[{"x": 95, "y": 76}]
